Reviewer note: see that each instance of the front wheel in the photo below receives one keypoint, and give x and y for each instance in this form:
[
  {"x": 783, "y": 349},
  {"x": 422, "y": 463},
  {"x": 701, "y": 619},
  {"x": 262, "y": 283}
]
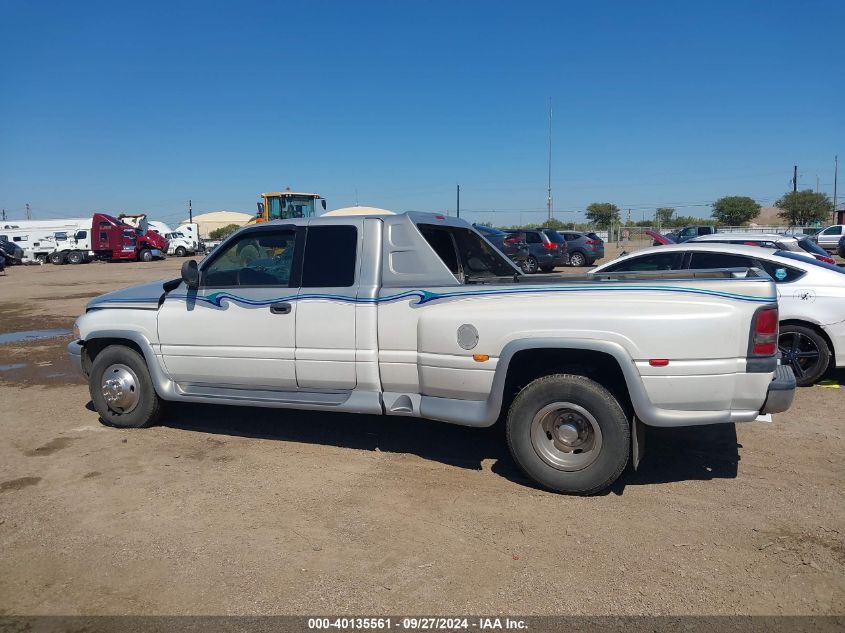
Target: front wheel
[
  {"x": 180, "y": 251},
  {"x": 122, "y": 390},
  {"x": 569, "y": 434},
  {"x": 530, "y": 266},
  {"x": 804, "y": 350},
  {"x": 145, "y": 255}
]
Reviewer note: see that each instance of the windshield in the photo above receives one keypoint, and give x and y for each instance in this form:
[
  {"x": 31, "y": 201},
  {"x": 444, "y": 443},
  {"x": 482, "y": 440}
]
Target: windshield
[{"x": 806, "y": 260}]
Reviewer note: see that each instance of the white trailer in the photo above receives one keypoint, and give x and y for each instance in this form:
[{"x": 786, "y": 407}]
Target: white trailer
[{"x": 39, "y": 239}]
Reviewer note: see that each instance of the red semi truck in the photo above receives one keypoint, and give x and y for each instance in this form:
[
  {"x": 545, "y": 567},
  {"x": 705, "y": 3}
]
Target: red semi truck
[{"x": 109, "y": 239}]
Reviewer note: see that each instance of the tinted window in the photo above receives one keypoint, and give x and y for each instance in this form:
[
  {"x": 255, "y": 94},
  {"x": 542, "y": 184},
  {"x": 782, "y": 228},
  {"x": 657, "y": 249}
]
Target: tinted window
[
  {"x": 533, "y": 238},
  {"x": 810, "y": 246},
  {"x": 256, "y": 259},
  {"x": 553, "y": 236},
  {"x": 330, "y": 257},
  {"x": 781, "y": 273},
  {"x": 474, "y": 255},
  {"x": 655, "y": 261},
  {"x": 719, "y": 260},
  {"x": 833, "y": 230},
  {"x": 813, "y": 262},
  {"x": 486, "y": 230}
]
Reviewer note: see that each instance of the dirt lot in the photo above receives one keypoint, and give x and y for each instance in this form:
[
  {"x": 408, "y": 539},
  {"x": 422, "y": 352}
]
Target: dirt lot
[{"x": 252, "y": 511}]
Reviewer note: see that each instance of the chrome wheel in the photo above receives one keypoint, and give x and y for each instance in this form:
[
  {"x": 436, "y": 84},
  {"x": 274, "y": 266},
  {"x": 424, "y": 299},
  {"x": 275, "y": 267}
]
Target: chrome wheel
[
  {"x": 800, "y": 352},
  {"x": 566, "y": 436},
  {"x": 121, "y": 388},
  {"x": 577, "y": 260},
  {"x": 530, "y": 265}
]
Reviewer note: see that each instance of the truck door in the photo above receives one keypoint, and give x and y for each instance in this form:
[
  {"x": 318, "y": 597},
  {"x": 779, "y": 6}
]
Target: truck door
[
  {"x": 326, "y": 310},
  {"x": 237, "y": 330}
]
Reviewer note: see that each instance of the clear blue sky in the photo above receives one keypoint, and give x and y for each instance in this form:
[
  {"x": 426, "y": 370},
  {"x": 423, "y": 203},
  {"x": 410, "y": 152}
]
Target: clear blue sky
[{"x": 115, "y": 106}]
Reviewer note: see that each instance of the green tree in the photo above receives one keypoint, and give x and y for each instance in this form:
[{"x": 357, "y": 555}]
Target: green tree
[
  {"x": 602, "y": 214},
  {"x": 805, "y": 207},
  {"x": 223, "y": 231},
  {"x": 663, "y": 215},
  {"x": 735, "y": 210}
]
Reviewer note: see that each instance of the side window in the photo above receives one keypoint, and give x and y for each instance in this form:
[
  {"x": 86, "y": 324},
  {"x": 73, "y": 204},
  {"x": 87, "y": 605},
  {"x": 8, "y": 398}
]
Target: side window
[
  {"x": 719, "y": 260},
  {"x": 20, "y": 238},
  {"x": 330, "y": 257},
  {"x": 780, "y": 273},
  {"x": 443, "y": 244},
  {"x": 833, "y": 230},
  {"x": 263, "y": 258},
  {"x": 653, "y": 262},
  {"x": 533, "y": 238}
]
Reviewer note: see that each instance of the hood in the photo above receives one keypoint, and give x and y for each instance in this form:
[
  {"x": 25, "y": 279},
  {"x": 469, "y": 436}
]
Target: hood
[
  {"x": 659, "y": 238},
  {"x": 141, "y": 297}
]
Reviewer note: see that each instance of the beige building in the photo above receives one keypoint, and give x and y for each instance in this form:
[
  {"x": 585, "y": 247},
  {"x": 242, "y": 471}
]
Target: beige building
[{"x": 217, "y": 219}]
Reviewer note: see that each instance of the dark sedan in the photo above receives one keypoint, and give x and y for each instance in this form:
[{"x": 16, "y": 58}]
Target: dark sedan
[{"x": 546, "y": 250}]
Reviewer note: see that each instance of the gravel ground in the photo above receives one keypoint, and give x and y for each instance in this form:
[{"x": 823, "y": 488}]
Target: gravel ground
[{"x": 225, "y": 510}]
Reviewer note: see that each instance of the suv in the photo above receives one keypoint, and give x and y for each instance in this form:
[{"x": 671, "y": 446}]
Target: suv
[
  {"x": 583, "y": 248},
  {"x": 689, "y": 232},
  {"x": 546, "y": 250}
]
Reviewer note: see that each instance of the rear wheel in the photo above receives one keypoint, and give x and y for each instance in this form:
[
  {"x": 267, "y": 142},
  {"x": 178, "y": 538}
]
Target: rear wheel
[
  {"x": 75, "y": 257},
  {"x": 57, "y": 258},
  {"x": 577, "y": 259},
  {"x": 122, "y": 390},
  {"x": 804, "y": 350},
  {"x": 569, "y": 434},
  {"x": 145, "y": 255}
]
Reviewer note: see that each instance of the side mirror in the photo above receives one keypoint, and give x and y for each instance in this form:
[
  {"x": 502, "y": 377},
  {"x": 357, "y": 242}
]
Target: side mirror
[
  {"x": 323, "y": 201},
  {"x": 191, "y": 274}
]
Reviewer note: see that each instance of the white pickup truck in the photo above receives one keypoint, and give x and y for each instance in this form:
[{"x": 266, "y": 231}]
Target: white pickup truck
[{"x": 418, "y": 315}]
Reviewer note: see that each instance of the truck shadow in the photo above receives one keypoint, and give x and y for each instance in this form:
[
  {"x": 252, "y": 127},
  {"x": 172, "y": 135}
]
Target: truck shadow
[{"x": 671, "y": 455}]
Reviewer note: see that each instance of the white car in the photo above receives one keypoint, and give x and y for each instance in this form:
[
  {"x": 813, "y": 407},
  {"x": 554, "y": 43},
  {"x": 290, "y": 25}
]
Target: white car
[
  {"x": 829, "y": 238},
  {"x": 811, "y": 296},
  {"x": 802, "y": 245}
]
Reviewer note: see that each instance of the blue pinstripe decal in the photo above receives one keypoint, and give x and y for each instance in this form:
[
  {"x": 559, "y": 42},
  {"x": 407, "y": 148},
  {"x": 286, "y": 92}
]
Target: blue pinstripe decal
[{"x": 423, "y": 297}]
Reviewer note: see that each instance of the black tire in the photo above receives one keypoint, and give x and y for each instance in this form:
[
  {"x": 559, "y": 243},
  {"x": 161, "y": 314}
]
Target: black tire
[
  {"x": 577, "y": 259},
  {"x": 531, "y": 266},
  {"x": 614, "y": 439},
  {"x": 75, "y": 257},
  {"x": 42, "y": 259},
  {"x": 547, "y": 269},
  {"x": 180, "y": 251},
  {"x": 146, "y": 409},
  {"x": 806, "y": 351},
  {"x": 57, "y": 258},
  {"x": 146, "y": 255}
]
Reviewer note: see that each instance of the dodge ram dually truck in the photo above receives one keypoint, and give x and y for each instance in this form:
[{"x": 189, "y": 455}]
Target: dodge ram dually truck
[{"x": 418, "y": 315}]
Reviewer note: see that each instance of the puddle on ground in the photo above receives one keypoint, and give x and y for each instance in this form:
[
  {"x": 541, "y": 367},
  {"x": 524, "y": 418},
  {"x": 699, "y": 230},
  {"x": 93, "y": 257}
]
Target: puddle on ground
[
  {"x": 12, "y": 366},
  {"x": 31, "y": 335}
]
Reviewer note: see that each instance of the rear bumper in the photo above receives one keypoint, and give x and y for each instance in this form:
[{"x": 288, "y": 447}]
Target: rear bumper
[{"x": 781, "y": 391}]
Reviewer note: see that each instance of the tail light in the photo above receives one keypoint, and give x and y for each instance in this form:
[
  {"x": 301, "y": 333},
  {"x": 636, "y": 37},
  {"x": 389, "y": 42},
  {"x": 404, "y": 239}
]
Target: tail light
[
  {"x": 514, "y": 240},
  {"x": 764, "y": 332},
  {"x": 551, "y": 246},
  {"x": 592, "y": 243},
  {"x": 825, "y": 259}
]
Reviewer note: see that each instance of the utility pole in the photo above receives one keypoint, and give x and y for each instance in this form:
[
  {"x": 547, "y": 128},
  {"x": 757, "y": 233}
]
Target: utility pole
[
  {"x": 4, "y": 215},
  {"x": 817, "y": 183},
  {"x": 795, "y": 178},
  {"x": 28, "y": 212},
  {"x": 459, "y": 201},
  {"x": 835, "y": 179},
  {"x": 190, "y": 213},
  {"x": 549, "y": 199}
]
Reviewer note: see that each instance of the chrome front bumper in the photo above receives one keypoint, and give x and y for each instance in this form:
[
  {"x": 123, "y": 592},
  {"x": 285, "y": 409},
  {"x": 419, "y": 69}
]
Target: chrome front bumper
[{"x": 781, "y": 391}]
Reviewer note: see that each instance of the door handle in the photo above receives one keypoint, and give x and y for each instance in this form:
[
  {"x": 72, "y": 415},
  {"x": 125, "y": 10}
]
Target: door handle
[{"x": 280, "y": 308}]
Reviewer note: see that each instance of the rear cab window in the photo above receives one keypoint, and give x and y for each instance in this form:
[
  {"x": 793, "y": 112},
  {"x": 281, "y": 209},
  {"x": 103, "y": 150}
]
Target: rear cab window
[
  {"x": 465, "y": 253},
  {"x": 331, "y": 254}
]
